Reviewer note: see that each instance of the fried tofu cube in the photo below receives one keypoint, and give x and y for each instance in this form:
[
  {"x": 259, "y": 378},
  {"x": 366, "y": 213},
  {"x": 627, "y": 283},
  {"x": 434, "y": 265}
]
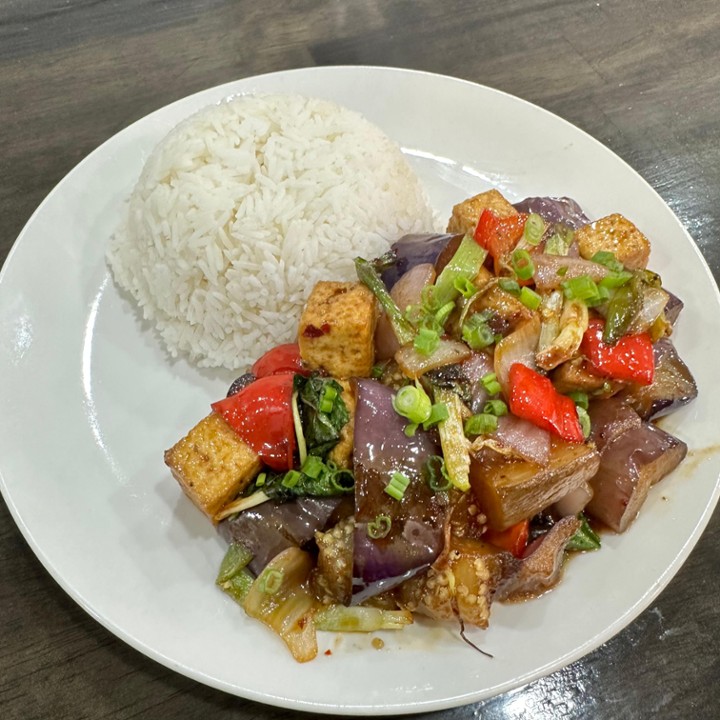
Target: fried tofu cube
[
  {"x": 465, "y": 215},
  {"x": 337, "y": 329},
  {"x": 615, "y": 234},
  {"x": 341, "y": 454},
  {"x": 212, "y": 464}
]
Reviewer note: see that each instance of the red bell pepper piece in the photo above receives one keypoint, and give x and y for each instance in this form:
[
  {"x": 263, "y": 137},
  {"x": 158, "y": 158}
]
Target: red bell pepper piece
[
  {"x": 534, "y": 398},
  {"x": 281, "y": 359},
  {"x": 631, "y": 358},
  {"x": 513, "y": 539},
  {"x": 499, "y": 235},
  {"x": 261, "y": 414}
]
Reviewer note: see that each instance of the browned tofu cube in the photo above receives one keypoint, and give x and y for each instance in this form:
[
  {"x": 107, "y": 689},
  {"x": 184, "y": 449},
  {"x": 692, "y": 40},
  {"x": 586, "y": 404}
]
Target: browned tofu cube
[
  {"x": 212, "y": 464},
  {"x": 337, "y": 329},
  {"x": 615, "y": 234},
  {"x": 341, "y": 454},
  {"x": 466, "y": 214}
]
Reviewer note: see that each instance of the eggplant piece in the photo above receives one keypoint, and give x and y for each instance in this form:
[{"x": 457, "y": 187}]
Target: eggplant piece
[
  {"x": 412, "y": 250},
  {"x": 410, "y": 536},
  {"x": 461, "y": 584},
  {"x": 609, "y": 419},
  {"x": 554, "y": 210},
  {"x": 673, "y": 308},
  {"x": 509, "y": 491},
  {"x": 541, "y": 568},
  {"x": 268, "y": 529},
  {"x": 672, "y": 387},
  {"x": 629, "y": 466}
]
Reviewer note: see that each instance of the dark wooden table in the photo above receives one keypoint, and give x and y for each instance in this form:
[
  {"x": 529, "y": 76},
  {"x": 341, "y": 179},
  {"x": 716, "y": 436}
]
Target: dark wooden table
[{"x": 643, "y": 77}]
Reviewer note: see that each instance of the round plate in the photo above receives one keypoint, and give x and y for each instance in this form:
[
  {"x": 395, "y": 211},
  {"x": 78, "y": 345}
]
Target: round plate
[{"x": 90, "y": 402}]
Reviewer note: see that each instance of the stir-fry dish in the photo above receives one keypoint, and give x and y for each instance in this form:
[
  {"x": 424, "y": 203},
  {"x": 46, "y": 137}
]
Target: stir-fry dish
[{"x": 447, "y": 429}]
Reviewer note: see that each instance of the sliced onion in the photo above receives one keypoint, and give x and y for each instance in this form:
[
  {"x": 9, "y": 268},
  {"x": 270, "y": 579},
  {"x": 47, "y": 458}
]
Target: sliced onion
[
  {"x": 654, "y": 302},
  {"x": 553, "y": 270},
  {"x": 407, "y": 291},
  {"x": 574, "y": 502},
  {"x": 415, "y": 364},
  {"x": 518, "y": 438},
  {"x": 519, "y": 346}
]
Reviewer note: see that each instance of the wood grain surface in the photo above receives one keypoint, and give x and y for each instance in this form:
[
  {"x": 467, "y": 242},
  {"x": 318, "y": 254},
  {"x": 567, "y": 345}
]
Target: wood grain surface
[{"x": 642, "y": 77}]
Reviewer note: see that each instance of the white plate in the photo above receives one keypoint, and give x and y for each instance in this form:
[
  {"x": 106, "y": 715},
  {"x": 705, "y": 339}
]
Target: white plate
[{"x": 90, "y": 402}]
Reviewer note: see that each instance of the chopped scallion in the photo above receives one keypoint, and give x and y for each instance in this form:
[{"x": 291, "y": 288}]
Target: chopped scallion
[
  {"x": 522, "y": 264},
  {"x": 312, "y": 467},
  {"x": 291, "y": 479},
  {"x": 426, "y": 341},
  {"x": 328, "y": 398},
  {"x": 436, "y": 474},
  {"x": 464, "y": 286},
  {"x": 410, "y": 429},
  {"x": 477, "y": 333},
  {"x": 491, "y": 384},
  {"x": 509, "y": 286},
  {"x": 397, "y": 486},
  {"x": 582, "y": 287},
  {"x": 615, "y": 280},
  {"x": 481, "y": 424},
  {"x": 534, "y": 229},
  {"x": 379, "y": 527},
  {"x": 438, "y": 413},
  {"x": 260, "y": 479},
  {"x": 529, "y": 298},
  {"x": 270, "y": 581},
  {"x": 608, "y": 259},
  {"x": 495, "y": 407},
  {"x": 413, "y": 403}
]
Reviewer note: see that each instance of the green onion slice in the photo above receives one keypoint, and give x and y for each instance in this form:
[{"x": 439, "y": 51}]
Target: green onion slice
[
  {"x": 379, "y": 527},
  {"x": 522, "y": 264},
  {"x": 490, "y": 383},
  {"x": 509, "y": 286},
  {"x": 397, "y": 486},
  {"x": 534, "y": 229},
  {"x": 481, "y": 424},
  {"x": 529, "y": 298},
  {"x": 477, "y": 333},
  {"x": 270, "y": 581},
  {"x": 413, "y": 403},
  {"x": 495, "y": 407},
  {"x": 436, "y": 474},
  {"x": 438, "y": 413},
  {"x": 426, "y": 341}
]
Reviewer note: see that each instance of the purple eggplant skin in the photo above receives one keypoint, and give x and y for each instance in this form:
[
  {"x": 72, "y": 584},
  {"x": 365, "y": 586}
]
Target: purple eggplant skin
[
  {"x": 412, "y": 250},
  {"x": 415, "y": 537},
  {"x": 554, "y": 210},
  {"x": 268, "y": 529},
  {"x": 672, "y": 387},
  {"x": 673, "y": 308},
  {"x": 629, "y": 466},
  {"x": 609, "y": 419}
]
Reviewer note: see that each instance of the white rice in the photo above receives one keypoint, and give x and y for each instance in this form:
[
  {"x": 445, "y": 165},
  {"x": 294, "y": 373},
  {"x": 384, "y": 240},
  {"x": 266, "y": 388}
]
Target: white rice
[{"x": 244, "y": 206}]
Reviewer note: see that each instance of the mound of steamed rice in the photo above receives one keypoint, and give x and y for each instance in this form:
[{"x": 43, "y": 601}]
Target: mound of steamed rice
[{"x": 244, "y": 206}]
